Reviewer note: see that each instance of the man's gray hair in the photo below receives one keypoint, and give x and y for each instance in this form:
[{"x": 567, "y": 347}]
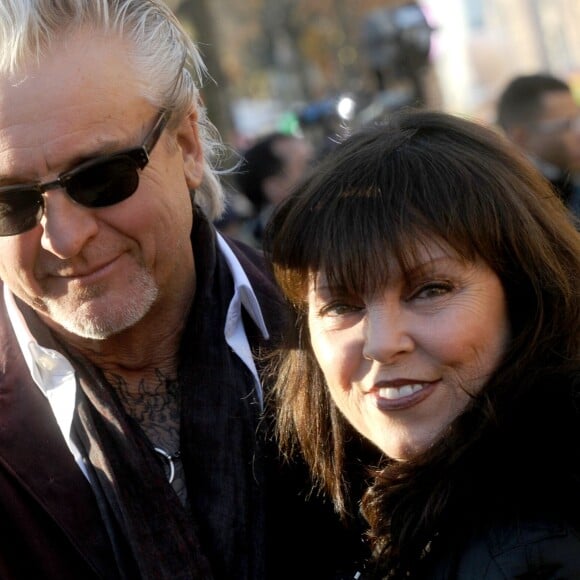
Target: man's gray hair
[{"x": 165, "y": 56}]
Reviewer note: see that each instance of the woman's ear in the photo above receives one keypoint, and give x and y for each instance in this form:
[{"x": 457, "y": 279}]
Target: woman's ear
[{"x": 188, "y": 141}]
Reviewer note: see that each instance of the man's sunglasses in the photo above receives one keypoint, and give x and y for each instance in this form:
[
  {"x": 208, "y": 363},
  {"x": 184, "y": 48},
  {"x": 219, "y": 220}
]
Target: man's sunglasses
[{"x": 99, "y": 182}]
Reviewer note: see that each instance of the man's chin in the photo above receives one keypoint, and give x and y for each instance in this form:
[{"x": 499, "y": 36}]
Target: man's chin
[
  {"x": 100, "y": 320},
  {"x": 93, "y": 326}
]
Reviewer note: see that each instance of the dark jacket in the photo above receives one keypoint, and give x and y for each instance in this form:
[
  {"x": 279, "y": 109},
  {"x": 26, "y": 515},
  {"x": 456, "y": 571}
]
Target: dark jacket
[
  {"x": 543, "y": 549},
  {"x": 49, "y": 521},
  {"x": 507, "y": 505},
  {"x": 50, "y": 524}
]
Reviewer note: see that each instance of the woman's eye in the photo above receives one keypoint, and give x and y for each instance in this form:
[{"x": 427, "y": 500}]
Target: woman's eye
[
  {"x": 433, "y": 290},
  {"x": 338, "y": 309}
]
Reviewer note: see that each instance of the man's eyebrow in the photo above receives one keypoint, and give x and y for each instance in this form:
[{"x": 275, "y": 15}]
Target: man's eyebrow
[
  {"x": 103, "y": 148},
  {"x": 9, "y": 180}
]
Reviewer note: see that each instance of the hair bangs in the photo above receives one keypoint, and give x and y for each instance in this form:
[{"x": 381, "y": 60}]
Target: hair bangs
[
  {"x": 355, "y": 239},
  {"x": 383, "y": 194}
]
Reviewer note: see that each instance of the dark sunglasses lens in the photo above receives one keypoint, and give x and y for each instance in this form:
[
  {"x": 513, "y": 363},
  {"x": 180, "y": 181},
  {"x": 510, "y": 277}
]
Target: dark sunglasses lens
[
  {"x": 105, "y": 183},
  {"x": 20, "y": 211}
]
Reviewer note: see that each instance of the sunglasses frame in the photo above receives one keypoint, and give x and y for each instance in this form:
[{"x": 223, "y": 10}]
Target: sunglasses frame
[{"x": 139, "y": 155}]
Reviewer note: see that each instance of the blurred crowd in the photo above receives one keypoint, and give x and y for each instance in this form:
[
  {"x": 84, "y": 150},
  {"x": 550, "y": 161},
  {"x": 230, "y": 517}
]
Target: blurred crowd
[{"x": 537, "y": 112}]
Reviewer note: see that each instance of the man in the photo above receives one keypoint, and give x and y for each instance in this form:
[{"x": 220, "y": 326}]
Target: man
[
  {"x": 132, "y": 443},
  {"x": 539, "y": 114},
  {"x": 271, "y": 168}
]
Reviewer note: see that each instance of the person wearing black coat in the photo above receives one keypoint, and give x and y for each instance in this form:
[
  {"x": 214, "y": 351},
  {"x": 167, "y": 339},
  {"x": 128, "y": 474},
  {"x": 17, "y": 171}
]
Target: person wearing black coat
[
  {"x": 540, "y": 115},
  {"x": 434, "y": 280},
  {"x": 133, "y": 435}
]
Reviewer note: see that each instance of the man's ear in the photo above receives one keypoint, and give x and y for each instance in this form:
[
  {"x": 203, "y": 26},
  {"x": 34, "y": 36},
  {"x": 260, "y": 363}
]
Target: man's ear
[{"x": 187, "y": 135}]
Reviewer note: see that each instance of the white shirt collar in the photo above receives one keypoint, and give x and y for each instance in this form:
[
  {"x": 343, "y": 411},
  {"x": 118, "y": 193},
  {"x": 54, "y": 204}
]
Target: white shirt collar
[
  {"x": 52, "y": 372},
  {"x": 243, "y": 287}
]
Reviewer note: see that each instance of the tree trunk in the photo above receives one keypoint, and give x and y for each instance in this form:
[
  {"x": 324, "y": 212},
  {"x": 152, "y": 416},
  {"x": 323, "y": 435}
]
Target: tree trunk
[{"x": 215, "y": 93}]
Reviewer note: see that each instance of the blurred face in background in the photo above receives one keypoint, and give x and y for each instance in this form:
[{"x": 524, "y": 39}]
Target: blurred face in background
[
  {"x": 555, "y": 136},
  {"x": 402, "y": 364},
  {"x": 297, "y": 155}
]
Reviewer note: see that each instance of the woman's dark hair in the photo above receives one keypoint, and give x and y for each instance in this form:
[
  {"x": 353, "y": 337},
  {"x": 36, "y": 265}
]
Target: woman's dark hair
[{"x": 384, "y": 191}]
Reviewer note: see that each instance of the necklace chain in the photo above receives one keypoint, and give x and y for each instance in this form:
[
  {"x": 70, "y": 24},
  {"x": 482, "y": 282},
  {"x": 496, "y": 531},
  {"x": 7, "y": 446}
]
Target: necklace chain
[{"x": 169, "y": 457}]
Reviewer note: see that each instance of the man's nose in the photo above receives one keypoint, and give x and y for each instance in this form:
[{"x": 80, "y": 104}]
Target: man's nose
[{"x": 67, "y": 225}]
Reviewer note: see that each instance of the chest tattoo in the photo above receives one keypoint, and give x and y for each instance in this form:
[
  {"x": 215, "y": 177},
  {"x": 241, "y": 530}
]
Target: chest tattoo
[{"x": 155, "y": 405}]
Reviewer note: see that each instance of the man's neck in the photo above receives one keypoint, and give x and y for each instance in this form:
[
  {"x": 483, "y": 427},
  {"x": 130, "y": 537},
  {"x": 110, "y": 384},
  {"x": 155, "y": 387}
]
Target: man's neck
[{"x": 548, "y": 170}]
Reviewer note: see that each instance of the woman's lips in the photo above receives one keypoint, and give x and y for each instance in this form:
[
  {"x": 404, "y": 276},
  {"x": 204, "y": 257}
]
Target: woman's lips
[{"x": 398, "y": 395}]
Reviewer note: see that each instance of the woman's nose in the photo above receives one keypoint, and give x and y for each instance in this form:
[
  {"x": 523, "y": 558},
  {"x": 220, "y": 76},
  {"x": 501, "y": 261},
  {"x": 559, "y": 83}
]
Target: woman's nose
[{"x": 388, "y": 333}]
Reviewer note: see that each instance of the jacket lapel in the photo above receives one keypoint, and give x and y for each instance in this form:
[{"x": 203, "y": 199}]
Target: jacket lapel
[{"x": 34, "y": 455}]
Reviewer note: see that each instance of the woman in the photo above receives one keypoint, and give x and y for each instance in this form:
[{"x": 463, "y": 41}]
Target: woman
[{"x": 434, "y": 277}]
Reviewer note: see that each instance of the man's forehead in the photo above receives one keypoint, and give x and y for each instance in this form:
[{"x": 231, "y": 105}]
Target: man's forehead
[
  {"x": 77, "y": 74},
  {"x": 77, "y": 58}
]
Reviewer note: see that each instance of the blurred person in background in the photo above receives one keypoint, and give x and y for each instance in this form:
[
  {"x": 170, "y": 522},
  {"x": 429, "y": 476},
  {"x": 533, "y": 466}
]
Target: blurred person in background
[
  {"x": 270, "y": 169},
  {"x": 539, "y": 114},
  {"x": 238, "y": 210}
]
